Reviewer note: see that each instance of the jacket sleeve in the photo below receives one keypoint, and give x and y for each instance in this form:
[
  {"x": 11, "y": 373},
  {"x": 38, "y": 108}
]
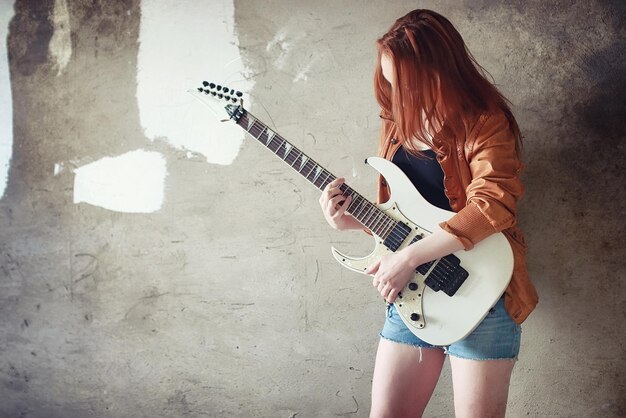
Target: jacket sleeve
[{"x": 495, "y": 186}]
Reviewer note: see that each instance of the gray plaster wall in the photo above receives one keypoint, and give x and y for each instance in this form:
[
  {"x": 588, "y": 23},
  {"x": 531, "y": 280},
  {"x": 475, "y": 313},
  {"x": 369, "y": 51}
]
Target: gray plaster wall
[{"x": 227, "y": 302}]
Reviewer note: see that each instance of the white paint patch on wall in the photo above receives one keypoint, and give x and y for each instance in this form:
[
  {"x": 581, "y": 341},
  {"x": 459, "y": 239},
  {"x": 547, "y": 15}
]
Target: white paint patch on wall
[
  {"x": 133, "y": 182},
  {"x": 182, "y": 43},
  {"x": 60, "y": 46},
  {"x": 6, "y": 100}
]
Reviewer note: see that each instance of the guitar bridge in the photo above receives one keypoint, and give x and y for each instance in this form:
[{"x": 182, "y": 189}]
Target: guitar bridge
[{"x": 447, "y": 275}]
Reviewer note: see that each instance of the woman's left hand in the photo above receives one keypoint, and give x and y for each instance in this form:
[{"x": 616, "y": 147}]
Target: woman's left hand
[{"x": 391, "y": 274}]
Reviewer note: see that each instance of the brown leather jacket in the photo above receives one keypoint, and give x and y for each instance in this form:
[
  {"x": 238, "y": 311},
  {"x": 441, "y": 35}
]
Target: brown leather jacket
[{"x": 481, "y": 179}]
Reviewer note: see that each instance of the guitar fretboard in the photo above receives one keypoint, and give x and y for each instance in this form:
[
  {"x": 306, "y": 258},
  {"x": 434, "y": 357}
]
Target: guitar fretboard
[{"x": 360, "y": 208}]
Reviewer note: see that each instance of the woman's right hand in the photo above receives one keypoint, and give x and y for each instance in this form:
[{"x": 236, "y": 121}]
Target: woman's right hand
[{"x": 334, "y": 205}]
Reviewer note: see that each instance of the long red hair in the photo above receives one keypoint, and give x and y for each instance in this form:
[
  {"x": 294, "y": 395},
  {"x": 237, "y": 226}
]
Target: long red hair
[{"x": 436, "y": 79}]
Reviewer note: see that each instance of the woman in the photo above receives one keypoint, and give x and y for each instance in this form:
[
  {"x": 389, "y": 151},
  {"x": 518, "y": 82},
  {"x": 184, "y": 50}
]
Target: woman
[{"x": 450, "y": 130}]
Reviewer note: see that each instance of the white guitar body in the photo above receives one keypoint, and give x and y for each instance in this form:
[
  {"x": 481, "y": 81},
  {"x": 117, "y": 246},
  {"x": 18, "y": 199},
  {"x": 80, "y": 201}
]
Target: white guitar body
[{"x": 435, "y": 317}]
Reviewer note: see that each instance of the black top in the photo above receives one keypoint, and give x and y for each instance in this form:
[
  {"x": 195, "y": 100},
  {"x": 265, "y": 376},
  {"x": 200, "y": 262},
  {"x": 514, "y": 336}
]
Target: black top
[{"x": 426, "y": 175}]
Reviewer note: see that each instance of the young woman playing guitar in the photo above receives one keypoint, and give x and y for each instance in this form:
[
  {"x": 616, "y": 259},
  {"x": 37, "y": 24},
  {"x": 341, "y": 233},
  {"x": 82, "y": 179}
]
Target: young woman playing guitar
[{"x": 453, "y": 134}]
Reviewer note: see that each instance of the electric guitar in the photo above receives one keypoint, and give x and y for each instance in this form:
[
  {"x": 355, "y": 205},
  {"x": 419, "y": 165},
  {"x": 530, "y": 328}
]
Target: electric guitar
[{"x": 448, "y": 297}]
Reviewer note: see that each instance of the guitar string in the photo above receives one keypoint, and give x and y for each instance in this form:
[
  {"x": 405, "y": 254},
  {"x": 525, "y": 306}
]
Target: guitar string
[{"x": 442, "y": 263}]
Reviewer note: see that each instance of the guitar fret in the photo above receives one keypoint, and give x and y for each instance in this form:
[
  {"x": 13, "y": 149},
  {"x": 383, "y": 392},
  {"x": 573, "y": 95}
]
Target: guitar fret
[
  {"x": 363, "y": 214},
  {"x": 388, "y": 228},
  {"x": 378, "y": 223},
  {"x": 270, "y": 136},
  {"x": 303, "y": 163},
  {"x": 279, "y": 145},
  {"x": 325, "y": 182},
  {"x": 298, "y": 155},
  {"x": 353, "y": 206},
  {"x": 322, "y": 171},
  {"x": 318, "y": 171},
  {"x": 381, "y": 226},
  {"x": 329, "y": 178},
  {"x": 359, "y": 210},
  {"x": 310, "y": 171},
  {"x": 288, "y": 148},
  {"x": 371, "y": 218}
]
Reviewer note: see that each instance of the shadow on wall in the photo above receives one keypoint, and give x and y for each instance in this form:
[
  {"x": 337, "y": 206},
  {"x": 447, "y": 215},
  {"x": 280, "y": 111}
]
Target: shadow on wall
[
  {"x": 585, "y": 155},
  {"x": 600, "y": 170},
  {"x": 604, "y": 113},
  {"x": 577, "y": 179},
  {"x": 31, "y": 20},
  {"x": 596, "y": 163}
]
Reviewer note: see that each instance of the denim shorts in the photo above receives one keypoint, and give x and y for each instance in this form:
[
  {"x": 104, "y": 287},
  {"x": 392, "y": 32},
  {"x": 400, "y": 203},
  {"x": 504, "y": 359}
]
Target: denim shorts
[{"x": 496, "y": 337}]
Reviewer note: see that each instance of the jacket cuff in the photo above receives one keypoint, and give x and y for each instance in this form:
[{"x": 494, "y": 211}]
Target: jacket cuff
[{"x": 469, "y": 226}]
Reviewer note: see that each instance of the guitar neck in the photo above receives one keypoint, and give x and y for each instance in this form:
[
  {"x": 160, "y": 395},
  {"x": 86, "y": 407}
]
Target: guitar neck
[{"x": 360, "y": 208}]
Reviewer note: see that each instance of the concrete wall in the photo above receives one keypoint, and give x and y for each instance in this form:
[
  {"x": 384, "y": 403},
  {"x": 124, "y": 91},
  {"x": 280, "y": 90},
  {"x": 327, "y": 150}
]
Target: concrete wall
[{"x": 226, "y": 301}]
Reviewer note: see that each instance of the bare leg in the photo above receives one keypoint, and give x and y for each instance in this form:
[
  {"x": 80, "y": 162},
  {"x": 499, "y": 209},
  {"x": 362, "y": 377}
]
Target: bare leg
[
  {"x": 481, "y": 388},
  {"x": 403, "y": 381}
]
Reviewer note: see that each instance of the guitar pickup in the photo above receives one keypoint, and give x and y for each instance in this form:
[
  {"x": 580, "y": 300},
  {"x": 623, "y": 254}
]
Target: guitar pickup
[{"x": 397, "y": 236}]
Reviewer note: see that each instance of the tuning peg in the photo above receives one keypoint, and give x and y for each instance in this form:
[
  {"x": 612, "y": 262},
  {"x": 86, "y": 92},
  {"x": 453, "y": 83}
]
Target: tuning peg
[
  {"x": 239, "y": 94},
  {"x": 200, "y": 89},
  {"x": 219, "y": 88},
  {"x": 220, "y": 96},
  {"x": 234, "y": 100},
  {"x": 227, "y": 98},
  {"x": 205, "y": 83},
  {"x": 212, "y": 85}
]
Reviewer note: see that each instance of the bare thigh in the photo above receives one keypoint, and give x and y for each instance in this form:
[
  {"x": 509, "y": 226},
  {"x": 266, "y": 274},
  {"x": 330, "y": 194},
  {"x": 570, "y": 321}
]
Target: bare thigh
[
  {"x": 481, "y": 388},
  {"x": 404, "y": 379}
]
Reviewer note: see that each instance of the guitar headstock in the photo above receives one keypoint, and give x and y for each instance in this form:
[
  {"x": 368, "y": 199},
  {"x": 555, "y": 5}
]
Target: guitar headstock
[{"x": 231, "y": 97}]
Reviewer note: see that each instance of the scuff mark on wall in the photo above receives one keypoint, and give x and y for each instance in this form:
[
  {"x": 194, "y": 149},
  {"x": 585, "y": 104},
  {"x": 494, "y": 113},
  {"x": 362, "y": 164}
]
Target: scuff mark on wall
[
  {"x": 133, "y": 182},
  {"x": 60, "y": 46},
  {"x": 303, "y": 73},
  {"x": 58, "y": 168},
  {"x": 181, "y": 45},
  {"x": 284, "y": 48},
  {"x": 6, "y": 101},
  {"x": 279, "y": 44}
]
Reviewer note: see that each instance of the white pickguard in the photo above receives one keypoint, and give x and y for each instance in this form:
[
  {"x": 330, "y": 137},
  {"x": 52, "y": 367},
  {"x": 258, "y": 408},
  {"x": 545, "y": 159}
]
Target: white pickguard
[{"x": 442, "y": 319}]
